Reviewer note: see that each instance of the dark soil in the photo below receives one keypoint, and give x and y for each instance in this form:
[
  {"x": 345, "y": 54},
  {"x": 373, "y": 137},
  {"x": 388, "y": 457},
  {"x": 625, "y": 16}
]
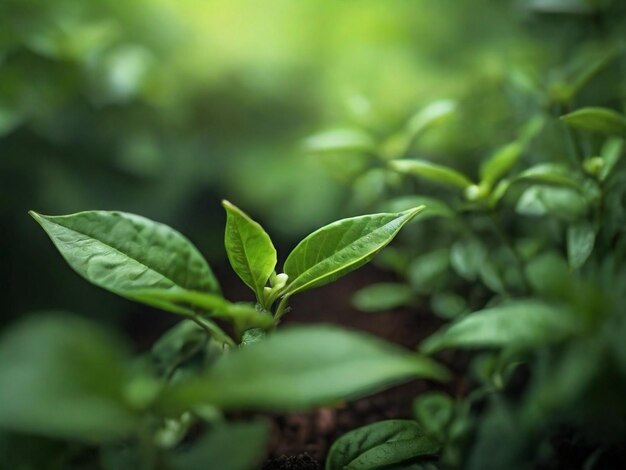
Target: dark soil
[{"x": 302, "y": 440}]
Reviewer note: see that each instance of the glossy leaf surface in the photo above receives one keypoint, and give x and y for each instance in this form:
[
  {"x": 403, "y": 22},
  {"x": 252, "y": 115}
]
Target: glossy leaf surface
[
  {"x": 342, "y": 247},
  {"x": 602, "y": 120},
  {"x": 250, "y": 250},
  {"x": 379, "y": 445},
  {"x": 122, "y": 252}
]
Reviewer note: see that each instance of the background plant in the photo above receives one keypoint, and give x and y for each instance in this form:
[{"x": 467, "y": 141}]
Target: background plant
[{"x": 523, "y": 259}]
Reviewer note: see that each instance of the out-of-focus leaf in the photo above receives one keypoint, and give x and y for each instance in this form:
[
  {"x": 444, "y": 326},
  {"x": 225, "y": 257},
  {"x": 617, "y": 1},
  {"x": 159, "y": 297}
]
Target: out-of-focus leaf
[
  {"x": 432, "y": 172},
  {"x": 341, "y": 140},
  {"x": 426, "y": 271},
  {"x": 580, "y": 240},
  {"x": 341, "y": 247},
  {"x": 433, "y": 207},
  {"x": 61, "y": 376},
  {"x": 447, "y": 304},
  {"x": 466, "y": 257},
  {"x": 382, "y": 296},
  {"x": 434, "y": 412},
  {"x": 519, "y": 324},
  {"x": 380, "y": 445},
  {"x": 564, "y": 203},
  {"x": 250, "y": 250},
  {"x": 551, "y": 173},
  {"x": 124, "y": 253},
  {"x": 611, "y": 153},
  {"x": 500, "y": 162},
  {"x": 177, "y": 345},
  {"x": 229, "y": 446},
  {"x": 300, "y": 367},
  {"x": 602, "y": 120}
]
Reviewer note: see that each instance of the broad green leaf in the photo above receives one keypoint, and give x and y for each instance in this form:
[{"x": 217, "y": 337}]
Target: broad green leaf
[
  {"x": 300, "y": 367},
  {"x": 380, "y": 445},
  {"x": 500, "y": 162},
  {"x": 341, "y": 140},
  {"x": 341, "y": 247},
  {"x": 432, "y": 172},
  {"x": 382, "y": 296},
  {"x": 250, "y": 250},
  {"x": 227, "y": 446},
  {"x": 434, "y": 207},
  {"x": 124, "y": 253},
  {"x": 564, "y": 203},
  {"x": 429, "y": 116},
  {"x": 62, "y": 376},
  {"x": 602, "y": 120},
  {"x": 519, "y": 324},
  {"x": 580, "y": 240}
]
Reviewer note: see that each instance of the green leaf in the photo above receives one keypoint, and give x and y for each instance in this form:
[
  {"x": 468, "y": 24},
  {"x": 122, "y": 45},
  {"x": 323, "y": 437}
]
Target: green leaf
[
  {"x": 551, "y": 173},
  {"x": 230, "y": 446},
  {"x": 62, "y": 376},
  {"x": 250, "y": 250},
  {"x": 382, "y": 296},
  {"x": 561, "y": 202},
  {"x": 124, "y": 253},
  {"x": 467, "y": 257},
  {"x": 432, "y": 172},
  {"x": 611, "y": 153},
  {"x": 580, "y": 240},
  {"x": 602, "y": 120},
  {"x": 379, "y": 445},
  {"x": 434, "y": 207},
  {"x": 302, "y": 367},
  {"x": 519, "y": 324},
  {"x": 427, "y": 271},
  {"x": 177, "y": 345},
  {"x": 341, "y": 140},
  {"x": 434, "y": 411},
  {"x": 244, "y": 316},
  {"x": 500, "y": 162},
  {"x": 341, "y": 247}
]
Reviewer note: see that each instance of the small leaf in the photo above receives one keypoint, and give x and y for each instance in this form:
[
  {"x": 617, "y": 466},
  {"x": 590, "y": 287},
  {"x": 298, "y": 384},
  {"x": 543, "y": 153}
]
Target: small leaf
[
  {"x": 381, "y": 297},
  {"x": 434, "y": 207},
  {"x": 341, "y": 247},
  {"x": 432, "y": 172},
  {"x": 500, "y": 162},
  {"x": 602, "y": 120},
  {"x": 250, "y": 250},
  {"x": 341, "y": 140},
  {"x": 380, "y": 445},
  {"x": 302, "y": 367},
  {"x": 611, "y": 153},
  {"x": 580, "y": 240},
  {"x": 62, "y": 376},
  {"x": 551, "y": 173},
  {"x": 123, "y": 252},
  {"x": 231, "y": 446},
  {"x": 561, "y": 202},
  {"x": 466, "y": 257},
  {"x": 519, "y": 324}
]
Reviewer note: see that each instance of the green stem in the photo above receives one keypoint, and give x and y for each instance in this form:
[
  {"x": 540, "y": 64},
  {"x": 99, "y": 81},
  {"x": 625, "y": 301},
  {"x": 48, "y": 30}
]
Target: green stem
[
  {"x": 282, "y": 308},
  {"x": 506, "y": 241},
  {"x": 212, "y": 330}
]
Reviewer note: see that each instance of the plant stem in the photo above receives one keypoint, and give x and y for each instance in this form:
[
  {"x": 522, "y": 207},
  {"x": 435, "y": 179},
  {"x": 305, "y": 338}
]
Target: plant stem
[
  {"x": 282, "y": 308},
  {"x": 213, "y": 330}
]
